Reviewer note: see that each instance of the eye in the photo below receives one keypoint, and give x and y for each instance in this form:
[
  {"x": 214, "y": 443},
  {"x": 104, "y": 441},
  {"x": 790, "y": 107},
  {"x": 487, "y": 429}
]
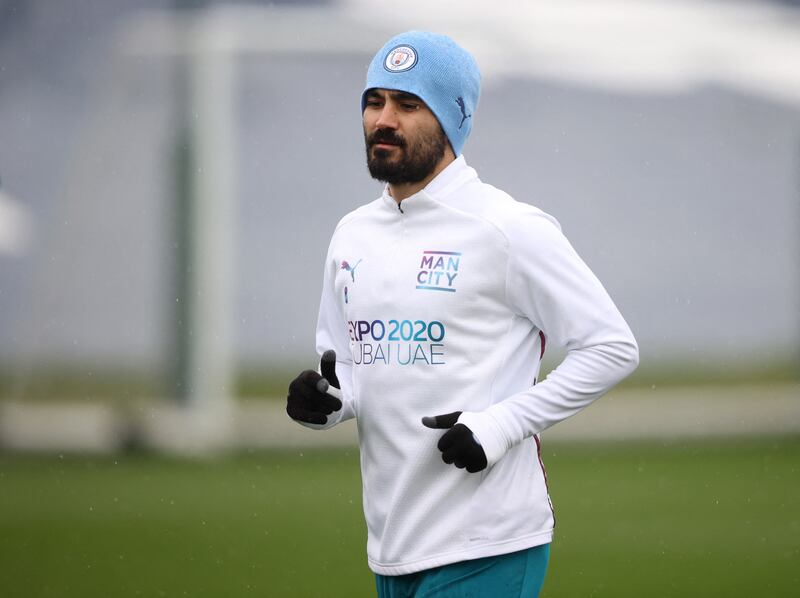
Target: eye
[{"x": 410, "y": 106}]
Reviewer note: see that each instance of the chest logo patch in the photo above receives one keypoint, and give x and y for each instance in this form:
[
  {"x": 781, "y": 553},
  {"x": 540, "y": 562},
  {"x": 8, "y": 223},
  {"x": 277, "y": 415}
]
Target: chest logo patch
[
  {"x": 438, "y": 270},
  {"x": 352, "y": 269}
]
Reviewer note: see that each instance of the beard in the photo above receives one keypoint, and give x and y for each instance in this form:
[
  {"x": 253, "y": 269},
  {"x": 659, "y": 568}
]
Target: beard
[{"x": 416, "y": 159}]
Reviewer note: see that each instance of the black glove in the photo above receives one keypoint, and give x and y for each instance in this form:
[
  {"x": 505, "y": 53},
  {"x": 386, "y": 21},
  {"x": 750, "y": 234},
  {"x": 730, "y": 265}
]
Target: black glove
[
  {"x": 309, "y": 399},
  {"x": 458, "y": 444}
]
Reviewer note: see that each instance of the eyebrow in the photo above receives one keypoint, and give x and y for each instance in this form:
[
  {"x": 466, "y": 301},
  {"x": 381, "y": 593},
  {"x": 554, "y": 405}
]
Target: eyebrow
[
  {"x": 400, "y": 96},
  {"x": 404, "y": 96}
]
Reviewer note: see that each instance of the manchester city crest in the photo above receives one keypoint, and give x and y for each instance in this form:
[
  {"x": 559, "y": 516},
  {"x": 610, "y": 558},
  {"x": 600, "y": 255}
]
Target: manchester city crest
[{"x": 400, "y": 59}]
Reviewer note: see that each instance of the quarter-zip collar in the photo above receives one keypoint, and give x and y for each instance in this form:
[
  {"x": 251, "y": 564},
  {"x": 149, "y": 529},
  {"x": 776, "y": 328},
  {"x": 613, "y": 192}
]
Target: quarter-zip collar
[{"x": 440, "y": 189}]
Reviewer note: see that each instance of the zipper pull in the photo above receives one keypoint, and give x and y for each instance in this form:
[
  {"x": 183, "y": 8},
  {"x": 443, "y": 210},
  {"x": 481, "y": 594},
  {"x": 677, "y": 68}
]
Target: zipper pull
[{"x": 400, "y": 207}]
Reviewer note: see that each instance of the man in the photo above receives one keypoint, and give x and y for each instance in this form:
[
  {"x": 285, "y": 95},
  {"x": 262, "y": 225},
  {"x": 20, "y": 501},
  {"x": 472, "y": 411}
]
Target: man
[{"x": 437, "y": 301}]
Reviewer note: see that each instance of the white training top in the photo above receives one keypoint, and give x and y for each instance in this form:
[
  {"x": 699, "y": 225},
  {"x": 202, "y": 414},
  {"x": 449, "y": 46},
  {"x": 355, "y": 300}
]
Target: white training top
[{"x": 444, "y": 304}]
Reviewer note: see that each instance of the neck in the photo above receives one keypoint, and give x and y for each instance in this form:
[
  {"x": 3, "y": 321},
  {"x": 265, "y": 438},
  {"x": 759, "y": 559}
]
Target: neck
[{"x": 401, "y": 191}]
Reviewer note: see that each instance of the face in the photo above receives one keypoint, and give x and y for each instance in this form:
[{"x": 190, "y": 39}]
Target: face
[{"x": 404, "y": 140}]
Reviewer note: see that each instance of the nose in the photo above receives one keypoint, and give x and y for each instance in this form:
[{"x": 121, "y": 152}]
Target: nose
[{"x": 387, "y": 119}]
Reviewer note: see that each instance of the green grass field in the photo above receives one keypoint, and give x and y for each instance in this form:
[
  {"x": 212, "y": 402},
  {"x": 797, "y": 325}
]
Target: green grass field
[{"x": 684, "y": 519}]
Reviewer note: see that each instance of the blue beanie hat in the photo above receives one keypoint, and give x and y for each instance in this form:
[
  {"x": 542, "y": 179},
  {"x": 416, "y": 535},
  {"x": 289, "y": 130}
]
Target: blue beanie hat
[{"x": 438, "y": 71}]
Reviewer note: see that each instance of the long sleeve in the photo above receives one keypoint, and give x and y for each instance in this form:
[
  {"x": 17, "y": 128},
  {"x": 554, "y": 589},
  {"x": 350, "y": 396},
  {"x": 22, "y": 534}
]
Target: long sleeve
[
  {"x": 548, "y": 283},
  {"x": 332, "y": 334}
]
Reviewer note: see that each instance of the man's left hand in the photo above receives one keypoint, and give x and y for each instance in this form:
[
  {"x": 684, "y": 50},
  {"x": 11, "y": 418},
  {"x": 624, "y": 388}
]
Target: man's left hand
[{"x": 458, "y": 445}]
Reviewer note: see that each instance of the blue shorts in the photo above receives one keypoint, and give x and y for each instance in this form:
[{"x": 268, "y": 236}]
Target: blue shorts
[{"x": 514, "y": 575}]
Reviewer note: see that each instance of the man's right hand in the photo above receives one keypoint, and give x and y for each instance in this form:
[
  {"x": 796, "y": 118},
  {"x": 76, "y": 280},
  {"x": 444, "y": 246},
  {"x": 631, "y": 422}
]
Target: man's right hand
[{"x": 312, "y": 397}]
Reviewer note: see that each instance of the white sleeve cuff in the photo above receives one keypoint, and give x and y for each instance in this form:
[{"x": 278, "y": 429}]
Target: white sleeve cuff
[
  {"x": 334, "y": 418},
  {"x": 488, "y": 433}
]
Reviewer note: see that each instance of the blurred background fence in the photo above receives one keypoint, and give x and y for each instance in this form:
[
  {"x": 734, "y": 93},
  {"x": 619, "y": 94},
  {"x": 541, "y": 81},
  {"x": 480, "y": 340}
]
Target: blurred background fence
[{"x": 172, "y": 172}]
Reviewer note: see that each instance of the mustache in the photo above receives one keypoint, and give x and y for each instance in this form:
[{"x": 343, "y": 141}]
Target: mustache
[{"x": 385, "y": 136}]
